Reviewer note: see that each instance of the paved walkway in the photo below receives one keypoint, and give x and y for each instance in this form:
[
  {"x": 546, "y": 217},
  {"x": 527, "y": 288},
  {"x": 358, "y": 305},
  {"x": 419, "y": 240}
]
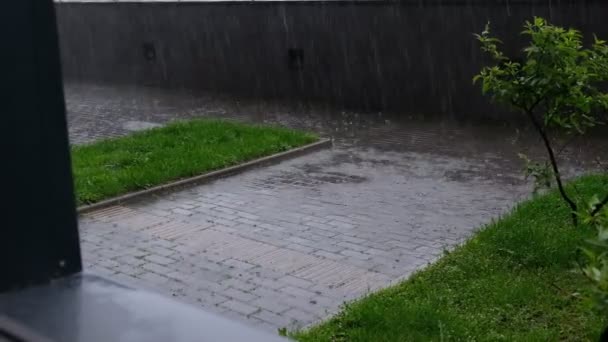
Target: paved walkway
[{"x": 286, "y": 245}]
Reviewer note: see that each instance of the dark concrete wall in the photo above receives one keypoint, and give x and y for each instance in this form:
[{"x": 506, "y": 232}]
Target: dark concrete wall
[{"x": 412, "y": 56}]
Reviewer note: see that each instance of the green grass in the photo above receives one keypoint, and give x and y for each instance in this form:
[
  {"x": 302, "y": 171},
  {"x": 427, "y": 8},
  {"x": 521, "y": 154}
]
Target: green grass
[
  {"x": 111, "y": 167},
  {"x": 515, "y": 280}
]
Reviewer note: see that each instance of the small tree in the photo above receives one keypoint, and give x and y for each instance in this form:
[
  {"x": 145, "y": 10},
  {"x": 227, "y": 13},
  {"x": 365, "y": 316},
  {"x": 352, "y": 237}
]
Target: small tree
[{"x": 557, "y": 85}]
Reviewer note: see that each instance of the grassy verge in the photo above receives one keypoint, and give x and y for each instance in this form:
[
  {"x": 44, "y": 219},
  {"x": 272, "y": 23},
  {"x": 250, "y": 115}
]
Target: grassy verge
[
  {"x": 514, "y": 281},
  {"x": 148, "y": 158}
]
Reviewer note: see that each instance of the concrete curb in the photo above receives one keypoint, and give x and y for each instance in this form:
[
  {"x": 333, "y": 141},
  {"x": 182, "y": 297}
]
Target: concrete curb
[{"x": 209, "y": 176}]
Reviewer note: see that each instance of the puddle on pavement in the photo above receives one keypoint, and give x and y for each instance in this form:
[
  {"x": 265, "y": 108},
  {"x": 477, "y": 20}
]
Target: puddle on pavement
[
  {"x": 121, "y": 109},
  {"x": 139, "y": 125}
]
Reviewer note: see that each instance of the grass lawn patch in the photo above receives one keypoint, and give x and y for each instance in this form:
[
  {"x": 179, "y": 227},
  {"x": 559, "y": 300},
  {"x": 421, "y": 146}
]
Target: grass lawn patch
[
  {"x": 182, "y": 149},
  {"x": 515, "y": 280}
]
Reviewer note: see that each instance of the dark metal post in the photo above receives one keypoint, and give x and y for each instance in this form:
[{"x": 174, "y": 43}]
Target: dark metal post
[{"x": 38, "y": 225}]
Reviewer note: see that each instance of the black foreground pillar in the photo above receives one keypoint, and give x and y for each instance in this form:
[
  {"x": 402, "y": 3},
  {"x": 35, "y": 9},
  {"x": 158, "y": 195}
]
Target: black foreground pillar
[{"x": 38, "y": 226}]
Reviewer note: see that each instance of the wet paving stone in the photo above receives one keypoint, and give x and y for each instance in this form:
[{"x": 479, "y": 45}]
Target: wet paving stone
[{"x": 286, "y": 245}]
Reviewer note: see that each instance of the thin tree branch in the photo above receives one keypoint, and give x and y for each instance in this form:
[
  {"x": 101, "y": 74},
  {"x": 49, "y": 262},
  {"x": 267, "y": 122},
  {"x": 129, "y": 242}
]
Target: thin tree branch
[
  {"x": 553, "y": 160},
  {"x": 530, "y": 110},
  {"x": 568, "y": 142},
  {"x": 600, "y": 205}
]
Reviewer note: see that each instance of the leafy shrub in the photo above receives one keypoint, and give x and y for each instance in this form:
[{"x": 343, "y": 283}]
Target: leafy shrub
[{"x": 557, "y": 85}]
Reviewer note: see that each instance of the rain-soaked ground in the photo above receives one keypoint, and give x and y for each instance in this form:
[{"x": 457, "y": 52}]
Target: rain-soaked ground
[{"x": 285, "y": 245}]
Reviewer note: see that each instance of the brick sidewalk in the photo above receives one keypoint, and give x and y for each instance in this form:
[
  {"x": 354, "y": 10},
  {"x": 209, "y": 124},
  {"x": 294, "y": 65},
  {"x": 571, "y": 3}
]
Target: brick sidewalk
[{"x": 286, "y": 245}]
